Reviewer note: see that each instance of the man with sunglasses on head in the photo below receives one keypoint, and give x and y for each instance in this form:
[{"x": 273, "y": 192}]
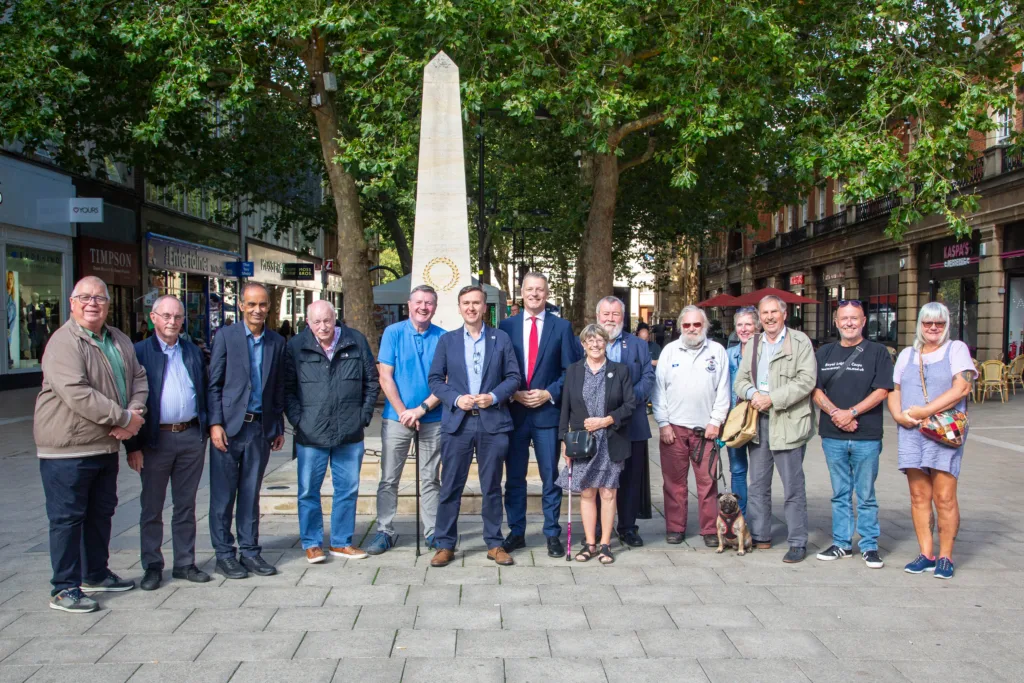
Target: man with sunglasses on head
[
  {"x": 691, "y": 393},
  {"x": 171, "y": 447},
  {"x": 93, "y": 397},
  {"x": 854, "y": 378},
  {"x": 779, "y": 387},
  {"x": 474, "y": 374}
]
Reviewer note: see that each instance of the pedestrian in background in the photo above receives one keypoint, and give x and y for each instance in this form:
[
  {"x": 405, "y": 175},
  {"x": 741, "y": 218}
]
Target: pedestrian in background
[{"x": 93, "y": 397}]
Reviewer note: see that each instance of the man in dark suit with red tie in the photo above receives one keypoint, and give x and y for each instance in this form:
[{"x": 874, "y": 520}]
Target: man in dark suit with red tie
[{"x": 544, "y": 346}]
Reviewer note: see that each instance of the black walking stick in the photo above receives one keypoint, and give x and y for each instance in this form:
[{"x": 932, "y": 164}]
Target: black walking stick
[
  {"x": 416, "y": 443},
  {"x": 699, "y": 431}
]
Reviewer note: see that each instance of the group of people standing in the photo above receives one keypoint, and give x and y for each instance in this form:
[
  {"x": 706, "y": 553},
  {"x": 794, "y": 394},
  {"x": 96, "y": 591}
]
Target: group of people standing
[{"x": 476, "y": 392}]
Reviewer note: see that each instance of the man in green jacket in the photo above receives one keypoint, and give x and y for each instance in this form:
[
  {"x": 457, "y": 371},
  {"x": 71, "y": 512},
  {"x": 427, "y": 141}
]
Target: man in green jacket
[
  {"x": 780, "y": 388},
  {"x": 93, "y": 397}
]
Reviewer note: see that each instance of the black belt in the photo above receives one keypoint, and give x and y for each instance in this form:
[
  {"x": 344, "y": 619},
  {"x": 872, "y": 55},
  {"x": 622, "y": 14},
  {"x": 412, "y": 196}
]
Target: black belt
[
  {"x": 180, "y": 426},
  {"x": 253, "y": 417},
  {"x": 474, "y": 412}
]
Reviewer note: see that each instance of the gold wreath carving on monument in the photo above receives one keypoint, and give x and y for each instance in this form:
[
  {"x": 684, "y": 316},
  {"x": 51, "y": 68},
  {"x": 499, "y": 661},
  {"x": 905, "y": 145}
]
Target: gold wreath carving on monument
[{"x": 441, "y": 261}]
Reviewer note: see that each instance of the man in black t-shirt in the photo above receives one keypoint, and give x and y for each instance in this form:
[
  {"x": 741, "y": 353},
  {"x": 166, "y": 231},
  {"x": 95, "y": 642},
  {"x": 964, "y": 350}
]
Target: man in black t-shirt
[{"x": 854, "y": 377}]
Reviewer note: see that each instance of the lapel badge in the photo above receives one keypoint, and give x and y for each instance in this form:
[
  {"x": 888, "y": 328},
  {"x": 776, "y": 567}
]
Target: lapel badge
[{"x": 610, "y": 375}]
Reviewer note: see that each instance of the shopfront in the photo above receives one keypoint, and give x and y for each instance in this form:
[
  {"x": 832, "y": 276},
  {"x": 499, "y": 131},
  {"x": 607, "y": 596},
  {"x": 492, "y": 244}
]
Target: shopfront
[
  {"x": 288, "y": 298},
  {"x": 196, "y": 275},
  {"x": 831, "y": 290},
  {"x": 117, "y": 264},
  {"x": 796, "y": 283},
  {"x": 879, "y": 290},
  {"x": 334, "y": 294},
  {"x": 36, "y": 257},
  {"x": 1013, "y": 265},
  {"x": 952, "y": 278}
]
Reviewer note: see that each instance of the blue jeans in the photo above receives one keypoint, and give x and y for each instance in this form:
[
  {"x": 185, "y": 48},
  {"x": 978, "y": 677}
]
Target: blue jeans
[
  {"x": 853, "y": 468},
  {"x": 738, "y": 474},
  {"x": 345, "y": 460}
]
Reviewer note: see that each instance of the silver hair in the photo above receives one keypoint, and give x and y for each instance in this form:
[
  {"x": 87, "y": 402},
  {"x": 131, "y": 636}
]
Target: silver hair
[
  {"x": 319, "y": 302},
  {"x": 694, "y": 309},
  {"x": 423, "y": 288},
  {"x": 747, "y": 310},
  {"x": 93, "y": 279},
  {"x": 772, "y": 297},
  {"x": 166, "y": 297},
  {"x": 610, "y": 300},
  {"x": 249, "y": 285},
  {"x": 536, "y": 275},
  {"x": 931, "y": 311},
  {"x": 594, "y": 330}
]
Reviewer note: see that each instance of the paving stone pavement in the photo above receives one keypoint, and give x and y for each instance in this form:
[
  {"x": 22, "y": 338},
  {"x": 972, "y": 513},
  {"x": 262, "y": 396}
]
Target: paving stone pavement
[{"x": 661, "y": 613}]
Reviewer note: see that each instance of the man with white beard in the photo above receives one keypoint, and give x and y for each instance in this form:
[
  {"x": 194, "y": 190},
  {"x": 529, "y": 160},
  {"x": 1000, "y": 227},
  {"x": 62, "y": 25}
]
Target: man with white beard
[{"x": 691, "y": 390}]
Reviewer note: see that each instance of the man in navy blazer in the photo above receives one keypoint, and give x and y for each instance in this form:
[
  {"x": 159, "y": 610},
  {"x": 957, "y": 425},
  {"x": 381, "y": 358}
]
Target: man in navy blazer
[
  {"x": 474, "y": 374},
  {"x": 171, "y": 446},
  {"x": 635, "y": 353},
  {"x": 245, "y": 402},
  {"x": 545, "y": 346}
]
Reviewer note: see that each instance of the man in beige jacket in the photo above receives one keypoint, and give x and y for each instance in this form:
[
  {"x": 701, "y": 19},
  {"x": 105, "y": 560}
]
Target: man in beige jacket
[
  {"x": 780, "y": 388},
  {"x": 93, "y": 397}
]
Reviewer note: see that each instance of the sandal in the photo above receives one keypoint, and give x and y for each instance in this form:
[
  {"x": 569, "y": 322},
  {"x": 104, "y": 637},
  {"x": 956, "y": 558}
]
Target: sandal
[
  {"x": 606, "y": 556},
  {"x": 588, "y": 553}
]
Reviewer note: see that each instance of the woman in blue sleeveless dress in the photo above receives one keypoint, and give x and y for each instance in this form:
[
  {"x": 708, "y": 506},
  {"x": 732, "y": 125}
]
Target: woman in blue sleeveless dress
[{"x": 931, "y": 468}]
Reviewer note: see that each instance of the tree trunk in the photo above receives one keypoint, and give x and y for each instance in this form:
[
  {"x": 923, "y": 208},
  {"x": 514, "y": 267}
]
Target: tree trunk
[
  {"x": 390, "y": 215},
  {"x": 596, "y": 263},
  {"x": 352, "y": 249}
]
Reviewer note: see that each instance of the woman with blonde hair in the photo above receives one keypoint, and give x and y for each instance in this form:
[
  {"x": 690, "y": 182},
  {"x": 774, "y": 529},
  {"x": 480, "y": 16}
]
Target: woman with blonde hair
[{"x": 921, "y": 391}]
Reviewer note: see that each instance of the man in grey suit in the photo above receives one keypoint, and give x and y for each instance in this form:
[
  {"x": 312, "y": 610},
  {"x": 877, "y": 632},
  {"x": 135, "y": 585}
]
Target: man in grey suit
[{"x": 246, "y": 411}]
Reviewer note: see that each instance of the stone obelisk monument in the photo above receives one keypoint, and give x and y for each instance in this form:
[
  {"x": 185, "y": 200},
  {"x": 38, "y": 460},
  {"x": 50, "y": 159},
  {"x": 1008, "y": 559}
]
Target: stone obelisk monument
[{"x": 440, "y": 255}]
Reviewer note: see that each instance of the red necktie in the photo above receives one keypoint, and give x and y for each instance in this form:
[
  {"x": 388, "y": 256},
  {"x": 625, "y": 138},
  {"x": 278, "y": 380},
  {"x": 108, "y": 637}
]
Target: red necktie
[{"x": 532, "y": 361}]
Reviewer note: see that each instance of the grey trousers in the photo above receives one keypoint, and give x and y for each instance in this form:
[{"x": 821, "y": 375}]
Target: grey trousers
[
  {"x": 762, "y": 463},
  {"x": 397, "y": 446},
  {"x": 178, "y": 459}
]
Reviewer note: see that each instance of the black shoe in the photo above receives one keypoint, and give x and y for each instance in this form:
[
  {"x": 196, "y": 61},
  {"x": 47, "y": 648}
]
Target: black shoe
[
  {"x": 232, "y": 569},
  {"x": 675, "y": 538},
  {"x": 555, "y": 547},
  {"x": 513, "y": 542},
  {"x": 257, "y": 565},
  {"x": 151, "y": 579},
  {"x": 711, "y": 540},
  {"x": 191, "y": 573},
  {"x": 631, "y": 538},
  {"x": 795, "y": 555}
]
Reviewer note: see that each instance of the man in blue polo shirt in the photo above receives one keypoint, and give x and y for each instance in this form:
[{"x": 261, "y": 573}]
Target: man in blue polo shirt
[{"x": 406, "y": 352}]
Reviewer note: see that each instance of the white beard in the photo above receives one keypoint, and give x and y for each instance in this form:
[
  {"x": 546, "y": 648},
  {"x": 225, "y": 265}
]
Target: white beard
[
  {"x": 697, "y": 343},
  {"x": 614, "y": 334}
]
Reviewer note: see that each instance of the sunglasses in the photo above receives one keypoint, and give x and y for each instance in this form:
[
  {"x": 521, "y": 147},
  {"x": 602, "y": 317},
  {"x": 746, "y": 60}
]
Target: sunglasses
[
  {"x": 933, "y": 323},
  {"x": 695, "y": 326},
  {"x": 851, "y": 302}
]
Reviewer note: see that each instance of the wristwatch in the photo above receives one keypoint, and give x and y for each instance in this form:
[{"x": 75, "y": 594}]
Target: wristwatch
[
  {"x": 426, "y": 408},
  {"x": 853, "y": 411}
]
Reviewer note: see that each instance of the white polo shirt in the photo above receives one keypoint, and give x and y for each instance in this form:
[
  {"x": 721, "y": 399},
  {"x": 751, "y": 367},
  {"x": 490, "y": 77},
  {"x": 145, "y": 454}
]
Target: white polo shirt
[{"x": 691, "y": 386}]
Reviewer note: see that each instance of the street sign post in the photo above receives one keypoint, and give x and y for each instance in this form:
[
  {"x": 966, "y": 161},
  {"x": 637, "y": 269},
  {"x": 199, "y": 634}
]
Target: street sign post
[{"x": 239, "y": 268}]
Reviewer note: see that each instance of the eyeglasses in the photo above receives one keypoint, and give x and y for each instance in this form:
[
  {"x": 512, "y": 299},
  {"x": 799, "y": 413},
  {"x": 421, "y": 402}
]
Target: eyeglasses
[
  {"x": 934, "y": 323},
  {"x": 85, "y": 299},
  {"x": 695, "y": 326},
  {"x": 318, "y": 323},
  {"x": 168, "y": 318},
  {"x": 850, "y": 302},
  {"x": 476, "y": 362}
]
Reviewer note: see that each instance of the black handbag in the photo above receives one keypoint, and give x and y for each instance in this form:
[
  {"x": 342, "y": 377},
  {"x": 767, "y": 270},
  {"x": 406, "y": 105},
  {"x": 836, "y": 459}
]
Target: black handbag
[{"x": 580, "y": 445}]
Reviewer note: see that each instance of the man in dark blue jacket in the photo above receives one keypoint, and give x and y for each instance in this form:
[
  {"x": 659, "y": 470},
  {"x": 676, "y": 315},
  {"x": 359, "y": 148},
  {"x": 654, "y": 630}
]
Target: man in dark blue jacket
[
  {"x": 331, "y": 388},
  {"x": 473, "y": 375},
  {"x": 171, "y": 446},
  {"x": 545, "y": 346},
  {"x": 245, "y": 401},
  {"x": 635, "y": 353}
]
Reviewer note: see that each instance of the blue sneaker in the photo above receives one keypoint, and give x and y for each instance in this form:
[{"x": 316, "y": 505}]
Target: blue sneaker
[
  {"x": 381, "y": 543},
  {"x": 921, "y": 565},
  {"x": 944, "y": 568}
]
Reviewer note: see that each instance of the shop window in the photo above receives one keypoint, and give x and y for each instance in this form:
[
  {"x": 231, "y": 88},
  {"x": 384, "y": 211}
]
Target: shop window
[
  {"x": 961, "y": 298},
  {"x": 33, "y": 298}
]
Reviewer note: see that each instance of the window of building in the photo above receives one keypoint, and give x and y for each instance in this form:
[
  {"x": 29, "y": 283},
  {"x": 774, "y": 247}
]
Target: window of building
[
  {"x": 822, "y": 209},
  {"x": 34, "y": 293},
  {"x": 1004, "y": 126}
]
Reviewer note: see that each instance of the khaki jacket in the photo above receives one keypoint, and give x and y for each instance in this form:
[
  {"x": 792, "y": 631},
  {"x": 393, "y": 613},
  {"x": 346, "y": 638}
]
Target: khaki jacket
[
  {"x": 792, "y": 375},
  {"x": 79, "y": 404}
]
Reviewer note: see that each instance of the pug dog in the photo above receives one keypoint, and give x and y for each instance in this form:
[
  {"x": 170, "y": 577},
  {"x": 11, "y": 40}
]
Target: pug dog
[{"x": 732, "y": 528}]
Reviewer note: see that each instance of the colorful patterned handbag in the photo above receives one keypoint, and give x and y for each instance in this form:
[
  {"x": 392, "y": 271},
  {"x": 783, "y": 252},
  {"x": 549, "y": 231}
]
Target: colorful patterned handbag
[{"x": 947, "y": 427}]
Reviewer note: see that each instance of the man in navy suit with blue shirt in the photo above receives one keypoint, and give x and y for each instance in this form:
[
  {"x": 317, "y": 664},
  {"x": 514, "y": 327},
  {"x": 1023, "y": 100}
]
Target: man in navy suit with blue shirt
[
  {"x": 245, "y": 402},
  {"x": 634, "y": 353},
  {"x": 545, "y": 346},
  {"x": 474, "y": 374}
]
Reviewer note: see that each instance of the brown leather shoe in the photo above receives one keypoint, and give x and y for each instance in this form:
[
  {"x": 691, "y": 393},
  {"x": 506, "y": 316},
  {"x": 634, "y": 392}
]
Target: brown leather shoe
[
  {"x": 442, "y": 558},
  {"x": 763, "y": 545},
  {"x": 500, "y": 556},
  {"x": 349, "y": 552},
  {"x": 315, "y": 555}
]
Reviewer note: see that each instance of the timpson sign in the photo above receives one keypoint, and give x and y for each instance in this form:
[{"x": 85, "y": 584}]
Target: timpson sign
[{"x": 113, "y": 262}]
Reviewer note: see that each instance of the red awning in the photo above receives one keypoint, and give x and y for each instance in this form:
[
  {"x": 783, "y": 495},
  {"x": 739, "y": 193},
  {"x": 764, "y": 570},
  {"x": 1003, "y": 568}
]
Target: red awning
[
  {"x": 720, "y": 300},
  {"x": 752, "y": 298}
]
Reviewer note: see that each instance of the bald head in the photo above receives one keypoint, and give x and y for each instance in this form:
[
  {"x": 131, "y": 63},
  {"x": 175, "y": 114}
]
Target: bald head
[
  {"x": 321, "y": 318},
  {"x": 91, "y": 283},
  {"x": 90, "y": 303},
  {"x": 168, "y": 316}
]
